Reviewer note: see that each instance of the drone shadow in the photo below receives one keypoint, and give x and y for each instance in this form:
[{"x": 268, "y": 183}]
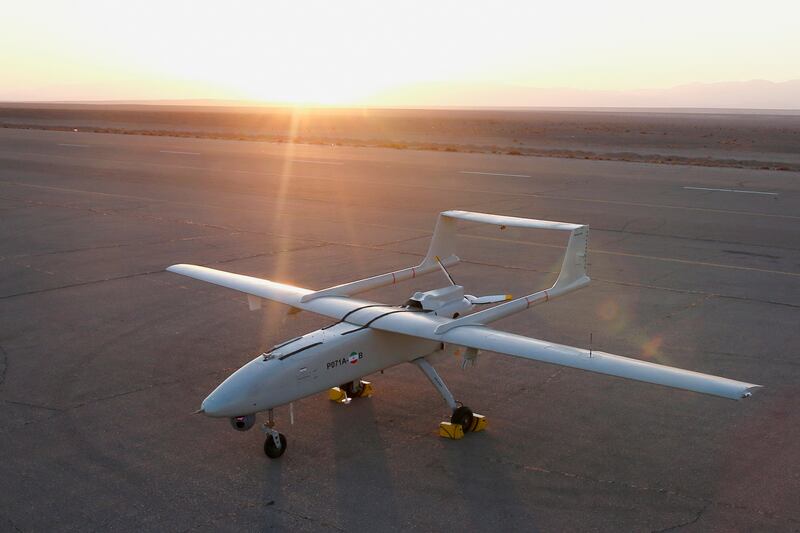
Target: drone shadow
[{"x": 363, "y": 465}]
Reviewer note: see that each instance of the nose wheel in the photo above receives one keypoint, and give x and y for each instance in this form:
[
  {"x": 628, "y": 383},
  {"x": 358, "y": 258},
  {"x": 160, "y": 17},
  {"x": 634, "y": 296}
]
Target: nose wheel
[
  {"x": 274, "y": 446},
  {"x": 275, "y": 443}
]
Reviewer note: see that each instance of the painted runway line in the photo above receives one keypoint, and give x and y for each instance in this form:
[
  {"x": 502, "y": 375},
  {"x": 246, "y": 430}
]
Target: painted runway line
[
  {"x": 719, "y": 211},
  {"x": 636, "y": 256},
  {"x": 74, "y": 145},
  {"x": 731, "y": 190},
  {"x": 178, "y": 152},
  {"x": 316, "y": 162},
  {"x": 494, "y": 174}
]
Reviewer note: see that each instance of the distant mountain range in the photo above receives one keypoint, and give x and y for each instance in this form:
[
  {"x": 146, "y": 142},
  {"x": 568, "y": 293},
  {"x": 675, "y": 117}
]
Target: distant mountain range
[
  {"x": 754, "y": 94},
  {"x": 739, "y": 95}
]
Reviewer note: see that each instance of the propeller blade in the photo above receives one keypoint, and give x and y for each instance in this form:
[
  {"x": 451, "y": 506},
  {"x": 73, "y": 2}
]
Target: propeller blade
[
  {"x": 446, "y": 273},
  {"x": 493, "y": 299}
]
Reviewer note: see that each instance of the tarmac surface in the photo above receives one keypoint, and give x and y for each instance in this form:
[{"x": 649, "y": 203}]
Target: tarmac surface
[{"x": 104, "y": 356}]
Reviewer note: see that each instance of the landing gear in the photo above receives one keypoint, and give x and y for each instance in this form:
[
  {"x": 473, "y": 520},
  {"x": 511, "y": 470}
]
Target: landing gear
[
  {"x": 357, "y": 389},
  {"x": 469, "y": 421},
  {"x": 463, "y": 419},
  {"x": 352, "y": 389},
  {"x": 275, "y": 444},
  {"x": 275, "y": 449}
]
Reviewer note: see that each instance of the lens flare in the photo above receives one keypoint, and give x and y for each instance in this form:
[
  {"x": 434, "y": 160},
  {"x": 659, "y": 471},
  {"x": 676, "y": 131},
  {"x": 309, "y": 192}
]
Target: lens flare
[
  {"x": 608, "y": 310},
  {"x": 651, "y": 347}
]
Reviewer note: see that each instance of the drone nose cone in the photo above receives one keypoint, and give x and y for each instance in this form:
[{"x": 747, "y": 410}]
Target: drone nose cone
[
  {"x": 212, "y": 406},
  {"x": 236, "y": 396},
  {"x": 224, "y": 402}
]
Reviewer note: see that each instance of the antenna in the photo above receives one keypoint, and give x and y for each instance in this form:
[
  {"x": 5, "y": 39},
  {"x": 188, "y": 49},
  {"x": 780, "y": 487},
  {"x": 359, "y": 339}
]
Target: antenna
[
  {"x": 446, "y": 273},
  {"x": 590, "y": 345}
]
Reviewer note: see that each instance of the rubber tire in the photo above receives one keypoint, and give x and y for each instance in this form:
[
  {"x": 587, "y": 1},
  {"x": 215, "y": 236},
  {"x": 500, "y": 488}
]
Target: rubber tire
[
  {"x": 352, "y": 393},
  {"x": 463, "y": 417},
  {"x": 270, "y": 449}
]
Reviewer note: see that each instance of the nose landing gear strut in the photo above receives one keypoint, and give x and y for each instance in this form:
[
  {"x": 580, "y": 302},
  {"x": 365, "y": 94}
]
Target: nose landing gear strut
[{"x": 275, "y": 444}]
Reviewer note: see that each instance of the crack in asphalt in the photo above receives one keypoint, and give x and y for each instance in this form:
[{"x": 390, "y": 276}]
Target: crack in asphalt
[
  {"x": 602, "y": 280},
  {"x": 698, "y": 239},
  {"x": 787, "y": 362},
  {"x": 13, "y": 525},
  {"x": 683, "y": 524},
  {"x": 35, "y": 406},
  {"x": 427, "y": 234},
  {"x": 629, "y": 254},
  {"x": 342, "y": 179},
  {"x": 119, "y": 245},
  {"x": 692, "y": 291},
  {"x": 231, "y": 230},
  {"x": 39, "y": 270},
  {"x": 381, "y": 247},
  {"x": 183, "y": 203},
  {"x": 57, "y": 411},
  {"x": 639, "y": 285},
  {"x": 4, "y": 353},
  {"x": 752, "y": 254},
  {"x": 266, "y": 505},
  {"x": 159, "y": 271},
  {"x": 702, "y": 298},
  {"x": 309, "y": 519},
  {"x": 79, "y": 284},
  {"x": 707, "y": 502}
]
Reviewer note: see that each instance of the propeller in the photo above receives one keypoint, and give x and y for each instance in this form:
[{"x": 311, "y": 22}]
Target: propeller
[
  {"x": 475, "y": 300},
  {"x": 493, "y": 299}
]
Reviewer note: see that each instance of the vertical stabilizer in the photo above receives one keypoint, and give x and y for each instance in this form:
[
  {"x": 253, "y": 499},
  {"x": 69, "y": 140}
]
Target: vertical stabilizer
[
  {"x": 443, "y": 242},
  {"x": 574, "y": 268}
]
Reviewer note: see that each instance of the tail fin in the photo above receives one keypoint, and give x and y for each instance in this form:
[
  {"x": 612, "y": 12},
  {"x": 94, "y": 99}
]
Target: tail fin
[
  {"x": 442, "y": 252},
  {"x": 443, "y": 241},
  {"x": 573, "y": 276},
  {"x": 574, "y": 267}
]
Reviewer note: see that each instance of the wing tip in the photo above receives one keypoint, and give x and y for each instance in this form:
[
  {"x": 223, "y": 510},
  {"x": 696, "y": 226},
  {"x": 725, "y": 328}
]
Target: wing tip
[
  {"x": 177, "y": 267},
  {"x": 750, "y": 390}
]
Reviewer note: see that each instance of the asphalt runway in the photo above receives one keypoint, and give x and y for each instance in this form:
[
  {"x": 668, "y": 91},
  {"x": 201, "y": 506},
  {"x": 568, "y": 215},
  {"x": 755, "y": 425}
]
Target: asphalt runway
[{"x": 104, "y": 356}]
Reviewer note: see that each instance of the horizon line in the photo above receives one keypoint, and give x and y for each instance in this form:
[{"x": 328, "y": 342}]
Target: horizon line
[{"x": 244, "y": 103}]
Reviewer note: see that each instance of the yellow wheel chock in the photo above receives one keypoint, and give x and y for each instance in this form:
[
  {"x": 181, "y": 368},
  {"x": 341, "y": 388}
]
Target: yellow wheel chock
[
  {"x": 366, "y": 389},
  {"x": 345, "y": 393},
  {"x": 479, "y": 423},
  {"x": 337, "y": 395},
  {"x": 449, "y": 430}
]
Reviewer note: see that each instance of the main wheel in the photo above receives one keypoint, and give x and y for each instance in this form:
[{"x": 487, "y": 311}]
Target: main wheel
[
  {"x": 463, "y": 417},
  {"x": 271, "y": 450},
  {"x": 352, "y": 391}
]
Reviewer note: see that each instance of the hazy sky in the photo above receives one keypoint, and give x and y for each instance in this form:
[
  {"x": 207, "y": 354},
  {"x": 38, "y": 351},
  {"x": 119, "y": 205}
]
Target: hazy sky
[{"x": 346, "y": 52}]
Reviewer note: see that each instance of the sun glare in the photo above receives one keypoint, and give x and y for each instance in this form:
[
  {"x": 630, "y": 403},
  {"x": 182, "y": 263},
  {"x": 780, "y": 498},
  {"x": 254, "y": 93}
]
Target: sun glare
[{"x": 349, "y": 52}]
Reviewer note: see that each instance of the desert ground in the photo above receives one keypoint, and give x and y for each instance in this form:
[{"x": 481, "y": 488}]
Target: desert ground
[
  {"x": 744, "y": 139},
  {"x": 104, "y": 355}
]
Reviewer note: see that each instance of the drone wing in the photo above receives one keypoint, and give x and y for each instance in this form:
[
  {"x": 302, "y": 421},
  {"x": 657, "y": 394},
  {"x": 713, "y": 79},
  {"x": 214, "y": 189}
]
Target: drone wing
[
  {"x": 471, "y": 331},
  {"x": 484, "y": 338},
  {"x": 257, "y": 288}
]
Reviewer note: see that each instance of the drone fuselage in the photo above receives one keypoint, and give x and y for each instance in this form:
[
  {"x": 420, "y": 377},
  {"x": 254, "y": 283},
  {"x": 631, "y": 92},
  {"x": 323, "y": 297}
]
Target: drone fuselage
[
  {"x": 368, "y": 337},
  {"x": 310, "y": 364}
]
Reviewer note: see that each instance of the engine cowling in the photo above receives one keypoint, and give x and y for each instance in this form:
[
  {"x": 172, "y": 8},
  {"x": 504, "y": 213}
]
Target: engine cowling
[{"x": 243, "y": 423}]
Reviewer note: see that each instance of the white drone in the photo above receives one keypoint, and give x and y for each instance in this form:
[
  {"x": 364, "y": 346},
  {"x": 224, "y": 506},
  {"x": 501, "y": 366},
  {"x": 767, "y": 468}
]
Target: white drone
[{"x": 368, "y": 337}]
